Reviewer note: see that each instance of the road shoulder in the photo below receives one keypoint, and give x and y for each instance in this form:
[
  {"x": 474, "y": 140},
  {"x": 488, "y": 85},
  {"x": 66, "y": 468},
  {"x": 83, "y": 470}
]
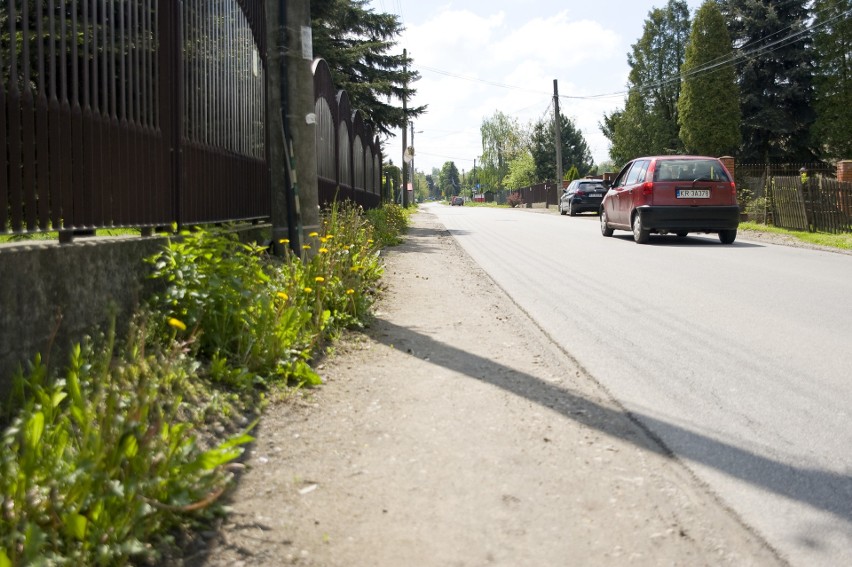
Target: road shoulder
[{"x": 453, "y": 431}]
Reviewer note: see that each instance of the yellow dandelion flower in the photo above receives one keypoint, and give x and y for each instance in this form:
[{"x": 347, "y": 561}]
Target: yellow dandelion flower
[
  {"x": 284, "y": 241},
  {"x": 324, "y": 239},
  {"x": 177, "y": 324},
  {"x": 319, "y": 279},
  {"x": 283, "y": 295},
  {"x": 350, "y": 291},
  {"x": 323, "y": 250},
  {"x": 329, "y": 236},
  {"x": 308, "y": 290},
  {"x": 370, "y": 241},
  {"x": 314, "y": 234},
  {"x": 306, "y": 246}
]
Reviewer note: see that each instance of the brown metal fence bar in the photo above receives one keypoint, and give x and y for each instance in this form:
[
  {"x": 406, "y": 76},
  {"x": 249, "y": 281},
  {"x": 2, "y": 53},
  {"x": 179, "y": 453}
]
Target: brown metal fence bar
[
  {"x": 66, "y": 196},
  {"x": 28, "y": 122},
  {"x": 145, "y": 112},
  {"x": 15, "y": 158},
  {"x": 43, "y": 187},
  {"x": 4, "y": 140}
]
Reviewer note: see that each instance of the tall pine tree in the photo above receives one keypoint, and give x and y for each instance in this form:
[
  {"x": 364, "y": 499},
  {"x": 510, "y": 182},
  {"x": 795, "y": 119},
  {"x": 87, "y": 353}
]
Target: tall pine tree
[
  {"x": 575, "y": 150},
  {"x": 648, "y": 124},
  {"x": 833, "y": 78},
  {"x": 776, "y": 78},
  {"x": 709, "y": 103},
  {"x": 357, "y": 42}
]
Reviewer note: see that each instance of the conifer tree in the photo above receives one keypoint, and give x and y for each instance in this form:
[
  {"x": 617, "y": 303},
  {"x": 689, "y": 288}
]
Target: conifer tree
[
  {"x": 833, "y": 78},
  {"x": 357, "y": 44},
  {"x": 648, "y": 123},
  {"x": 775, "y": 71},
  {"x": 709, "y": 105},
  {"x": 575, "y": 150}
]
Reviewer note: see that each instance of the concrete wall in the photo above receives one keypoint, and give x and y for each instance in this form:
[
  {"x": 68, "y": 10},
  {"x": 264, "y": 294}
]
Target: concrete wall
[{"x": 84, "y": 282}]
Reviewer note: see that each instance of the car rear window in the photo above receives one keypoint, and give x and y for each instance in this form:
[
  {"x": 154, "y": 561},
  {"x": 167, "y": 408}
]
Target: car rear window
[
  {"x": 590, "y": 186},
  {"x": 690, "y": 170}
]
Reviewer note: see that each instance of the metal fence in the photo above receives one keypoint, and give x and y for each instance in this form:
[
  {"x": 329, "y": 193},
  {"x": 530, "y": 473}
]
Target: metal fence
[
  {"x": 144, "y": 113},
  {"x": 349, "y": 157},
  {"x": 131, "y": 113}
]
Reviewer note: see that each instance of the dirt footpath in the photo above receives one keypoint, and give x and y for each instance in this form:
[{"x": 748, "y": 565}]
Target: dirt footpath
[{"x": 453, "y": 432}]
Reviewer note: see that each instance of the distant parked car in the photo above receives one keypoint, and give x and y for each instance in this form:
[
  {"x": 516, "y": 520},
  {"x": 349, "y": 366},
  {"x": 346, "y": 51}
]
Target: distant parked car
[
  {"x": 672, "y": 194},
  {"x": 457, "y": 201},
  {"x": 582, "y": 195}
]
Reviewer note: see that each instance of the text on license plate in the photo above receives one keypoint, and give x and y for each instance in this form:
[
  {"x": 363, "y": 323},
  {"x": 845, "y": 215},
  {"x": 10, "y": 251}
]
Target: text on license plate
[{"x": 693, "y": 194}]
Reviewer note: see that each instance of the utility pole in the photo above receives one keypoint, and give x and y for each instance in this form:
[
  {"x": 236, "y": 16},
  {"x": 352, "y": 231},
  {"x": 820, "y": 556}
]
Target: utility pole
[
  {"x": 413, "y": 172},
  {"x": 301, "y": 117},
  {"x": 283, "y": 214},
  {"x": 404, "y": 127},
  {"x": 473, "y": 175},
  {"x": 557, "y": 132}
]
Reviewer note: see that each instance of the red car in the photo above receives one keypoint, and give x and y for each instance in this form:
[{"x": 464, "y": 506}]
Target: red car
[{"x": 672, "y": 194}]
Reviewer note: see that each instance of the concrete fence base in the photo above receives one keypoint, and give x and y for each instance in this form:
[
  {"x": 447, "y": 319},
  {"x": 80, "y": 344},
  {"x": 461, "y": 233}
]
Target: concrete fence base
[{"x": 53, "y": 294}]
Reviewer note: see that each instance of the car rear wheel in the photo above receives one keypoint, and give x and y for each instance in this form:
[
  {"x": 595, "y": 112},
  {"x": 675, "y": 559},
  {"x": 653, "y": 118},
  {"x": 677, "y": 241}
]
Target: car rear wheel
[
  {"x": 640, "y": 233},
  {"x": 605, "y": 229},
  {"x": 561, "y": 210},
  {"x": 571, "y": 209},
  {"x": 681, "y": 234},
  {"x": 728, "y": 236}
]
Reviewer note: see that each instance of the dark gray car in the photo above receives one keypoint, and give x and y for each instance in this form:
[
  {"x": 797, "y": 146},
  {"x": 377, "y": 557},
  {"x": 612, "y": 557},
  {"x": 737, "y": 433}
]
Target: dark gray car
[{"x": 582, "y": 195}]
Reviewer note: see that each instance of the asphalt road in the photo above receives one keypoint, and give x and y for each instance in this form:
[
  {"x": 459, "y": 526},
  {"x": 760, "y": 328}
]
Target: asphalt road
[{"x": 738, "y": 358}]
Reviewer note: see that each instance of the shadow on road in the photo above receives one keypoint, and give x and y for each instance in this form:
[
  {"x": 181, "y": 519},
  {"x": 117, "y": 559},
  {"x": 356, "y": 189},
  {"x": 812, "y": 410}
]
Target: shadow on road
[{"x": 824, "y": 490}]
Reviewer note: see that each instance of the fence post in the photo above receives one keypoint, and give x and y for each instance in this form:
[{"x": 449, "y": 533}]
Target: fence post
[{"x": 844, "y": 171}]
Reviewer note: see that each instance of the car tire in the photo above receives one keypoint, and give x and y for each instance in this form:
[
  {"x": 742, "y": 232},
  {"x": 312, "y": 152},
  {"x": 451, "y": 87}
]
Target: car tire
[
  {"x": 728, "y": 236},
  {"x": 640, "y": 233},
  {"x": 605, "y": 229},
  {"x": 561, "y": 210},
  {"x": 681, "y": 234},
  {"x": 571, "y": 211}
]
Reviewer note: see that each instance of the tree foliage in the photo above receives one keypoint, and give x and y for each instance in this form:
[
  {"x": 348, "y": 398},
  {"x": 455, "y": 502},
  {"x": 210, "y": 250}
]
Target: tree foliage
[
  {"x": 709, "y": 105},
  {"x": 775, "y": 79},
  {"x": 833, "y": 78},
  {"x": 503, "y": 140},
  {"x": 575, "y": 150},
  {"x": 448, "y": 179},
  {"x": 521, "y": 172},
  {"x": 356, "y": 42},
  {"x": 648, "y": 124}
]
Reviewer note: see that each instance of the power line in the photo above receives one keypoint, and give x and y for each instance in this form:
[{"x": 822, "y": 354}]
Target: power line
[{"x": 737, "y": 55}]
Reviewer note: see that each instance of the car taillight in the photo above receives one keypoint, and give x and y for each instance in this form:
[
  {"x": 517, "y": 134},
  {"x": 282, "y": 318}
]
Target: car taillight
[
  {"x": 648, "y": 188},
  {"x": 581, "y": 193}
]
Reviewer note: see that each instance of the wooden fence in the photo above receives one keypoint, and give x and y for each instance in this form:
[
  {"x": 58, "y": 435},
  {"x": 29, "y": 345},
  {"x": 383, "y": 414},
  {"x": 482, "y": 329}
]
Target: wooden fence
[{"x": 817, "y": 203}]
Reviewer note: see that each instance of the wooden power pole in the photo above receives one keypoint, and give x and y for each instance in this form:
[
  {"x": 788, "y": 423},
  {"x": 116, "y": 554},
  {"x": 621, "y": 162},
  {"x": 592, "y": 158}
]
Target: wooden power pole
[{"x": 557, "y": 132}]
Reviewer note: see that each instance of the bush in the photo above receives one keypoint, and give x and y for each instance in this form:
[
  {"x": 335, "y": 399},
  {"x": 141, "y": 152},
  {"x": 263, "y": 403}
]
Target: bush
[
  {"x": 100, "y": 463},
  {"x": 388, "y": 223},
  {"x": 758, "y": 210},
  {"x": 514, "y": 200}
]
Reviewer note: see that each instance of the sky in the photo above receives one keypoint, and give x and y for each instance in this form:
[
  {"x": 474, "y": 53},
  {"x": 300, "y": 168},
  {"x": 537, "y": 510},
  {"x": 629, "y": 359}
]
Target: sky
[{"x": 477, "y": 57}]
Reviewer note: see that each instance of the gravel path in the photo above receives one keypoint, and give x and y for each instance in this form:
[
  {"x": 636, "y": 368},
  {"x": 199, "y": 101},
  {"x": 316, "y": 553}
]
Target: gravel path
[{"x": 454, "y": 432}]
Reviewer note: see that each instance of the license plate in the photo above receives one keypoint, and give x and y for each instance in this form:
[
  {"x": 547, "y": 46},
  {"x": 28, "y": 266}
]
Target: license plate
[{"x": 693, "y": 194}]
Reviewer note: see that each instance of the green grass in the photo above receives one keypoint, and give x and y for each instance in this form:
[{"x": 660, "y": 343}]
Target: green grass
[
  {"x": 53, "y": 235},
  {"x": 106, "y": 456},
  {"x": 841, "y": 241}
]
